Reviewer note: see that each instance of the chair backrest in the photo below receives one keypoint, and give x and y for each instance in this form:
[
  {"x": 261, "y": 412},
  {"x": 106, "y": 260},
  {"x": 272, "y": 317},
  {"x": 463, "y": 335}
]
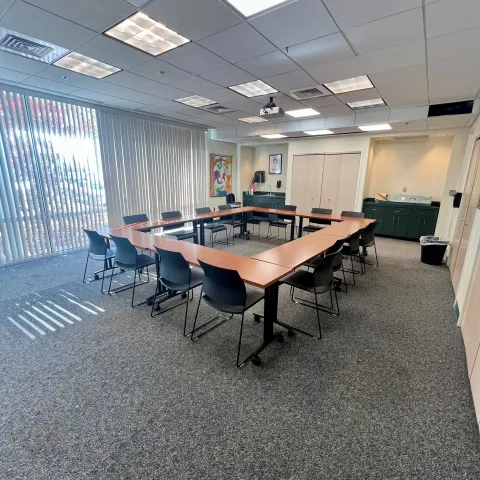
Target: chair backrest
[
  {"x": 354, "y": 242},
  {"x": 175, "y": 214},
  {"x": 261, "y": 214},
  {"x": 223, "y": 285},
  {"x": 230, "y": 198},
  {"x": 227, "y": 207},
  {"x": 336, "y": 251},
  {"x": 205, "y": 210},
  {"x": 292, "y": 208},
  {"x": 323, "y": 273},
  {"x": 98, "y": 244},
  {"x": 368, "y": 233},
  {"x": 347, "y": 213},
  {"x": 130, "y": 219},
  {"x": 173, "y": 267},
  {"x": 126, "y": 253},
  {"x": 322, "y": 211}
]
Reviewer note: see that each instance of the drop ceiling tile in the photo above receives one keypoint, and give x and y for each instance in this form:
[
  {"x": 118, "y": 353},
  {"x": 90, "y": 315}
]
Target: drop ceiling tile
[
  {"x": 368, "y": 94},
  {"x": 228, "y": 76},
  {"x": 410, "y": 126},
  {"x": 412, "y": 88},
  {"x": 12, "y": 76},
  {"x": 4, "y": 4},
  {"x": 280, "y": 99},
  {"x": 138, "y": 3},
  {"x": 290, "y": 81},
  {"x": 125, "y": 93},
  {"x": 460, "y": 85},
  {"x": 403, "y": 98},
  {"x": 309, "y": 19},
  {"x": 196, "y": 85},
  {"x": 194, "y": 19},
  {"x": 335, "y": 110},
  {"x": 327, "y": 101},
  {"x": 460, "y": 43},
  {"x": 238, "y": 43},
  {"x": 320, "y": 51},
  {"x": 448, "y": 16},
  {"x": 452, "y": 66},
  {"x": 57, "y": 74},
  {"x": 113, "y": 52},
  {"x": 194, "y": 59},
  {"x": 349, "y": 13},
  {"x": 20, "y": 64},
  {"x": 126, "y": 104},
  {"x": 92, "y": 14},
  {"x": 340, "y": 121},
  {"x": 35, "y": 22},
  {"x": 225, "y": 95},
  {"x": 341, "y": 70},
  {"x": 96, "y": 97},
  {"x": 400, "y": 29},
  {"x": 412, "y": 73},
  {"x": 160, "y": 71},
  {"x": 153, "y": 110},
  {"x": 268, "y": 65},
  {"x": 372, "y": 116},
  {"x": 407, "y": 114},
  {"x": 247, "y": 105},
  {"x": 55, "y": 87},
  {"x": 453, "y": 121}
]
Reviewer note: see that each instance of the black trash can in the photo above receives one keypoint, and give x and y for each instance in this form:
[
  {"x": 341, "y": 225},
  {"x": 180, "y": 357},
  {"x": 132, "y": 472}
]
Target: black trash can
[{"x": 432, "y": 254}]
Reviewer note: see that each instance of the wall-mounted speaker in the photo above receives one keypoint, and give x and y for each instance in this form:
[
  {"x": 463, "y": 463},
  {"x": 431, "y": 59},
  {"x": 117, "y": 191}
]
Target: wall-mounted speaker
[
  {"x": 279, "y": 183},
  {"x": 260, "y": 176}
]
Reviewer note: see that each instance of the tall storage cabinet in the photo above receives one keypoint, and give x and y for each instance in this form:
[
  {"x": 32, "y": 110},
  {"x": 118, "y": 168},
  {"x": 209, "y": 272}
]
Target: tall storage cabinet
[{"x": 326, "y": 181}]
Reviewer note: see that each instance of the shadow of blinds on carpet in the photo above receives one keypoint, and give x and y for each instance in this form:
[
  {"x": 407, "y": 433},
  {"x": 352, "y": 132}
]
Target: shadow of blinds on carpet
[{"x": 150, "y": 166}]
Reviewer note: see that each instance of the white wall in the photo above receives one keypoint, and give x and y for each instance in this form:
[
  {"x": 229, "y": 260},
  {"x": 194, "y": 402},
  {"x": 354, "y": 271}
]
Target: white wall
[
  {"x": 247, "y": 168},
  {"x": 261, "y": 162},
  {"x": 420, "y": 165},
  {"x": 222, "y": 148}
]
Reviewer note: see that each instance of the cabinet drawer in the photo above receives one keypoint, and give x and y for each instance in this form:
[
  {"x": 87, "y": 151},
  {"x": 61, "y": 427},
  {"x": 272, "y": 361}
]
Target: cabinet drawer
[
  {"x": 426, "y": 213},
  {"x": 399, "y": 211}
]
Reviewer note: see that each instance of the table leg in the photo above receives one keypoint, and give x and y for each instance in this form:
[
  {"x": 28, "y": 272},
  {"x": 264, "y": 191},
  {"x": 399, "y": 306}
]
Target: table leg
[
  {"x": 202, "y": 233},
  {"x": 300, "y": 227},
  {"x": 243, "y": 230},
  {"x": 270, "y": 312},
  {"x": 292, "y": 231}
]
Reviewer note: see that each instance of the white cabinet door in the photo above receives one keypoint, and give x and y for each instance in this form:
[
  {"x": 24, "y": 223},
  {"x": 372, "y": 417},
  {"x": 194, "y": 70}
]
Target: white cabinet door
[
  {"x": 347, "y": 188},
  {"x": 332, "y": 168},
  {"x": 314, "y": 181},
  {"x": 299, "y": 181}
]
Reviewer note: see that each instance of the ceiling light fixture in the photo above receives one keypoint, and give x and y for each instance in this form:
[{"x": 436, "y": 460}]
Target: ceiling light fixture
[
  {"x": 142, "y": 32},
  {"x": 319, "y": 132},
  {"x": 377, "y": 102},
  {"x": 196, "y": 101},
  {"x": 253, "y": 89},
  {"x": 375, "y": 128},
  {"x": 76, "y": 62},
  {"x": 303, "y": 112},
  {"x": 251, "y": 7},
  {"x": 349, "y": 85},
  {"x": 253, "y": 120},
  {"x": 273, "y": 136}
]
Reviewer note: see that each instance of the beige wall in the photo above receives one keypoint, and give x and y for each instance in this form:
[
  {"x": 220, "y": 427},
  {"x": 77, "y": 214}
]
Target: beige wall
[
  {"x": 420, "y": 165},
  {"x": 261, "y": 161},
  {"x": 247, "y": 168},
  {"x": 221, "y": 148}
]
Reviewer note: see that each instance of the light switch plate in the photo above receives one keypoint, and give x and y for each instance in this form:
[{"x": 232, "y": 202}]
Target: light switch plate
[{"x": 451, "y": 193}]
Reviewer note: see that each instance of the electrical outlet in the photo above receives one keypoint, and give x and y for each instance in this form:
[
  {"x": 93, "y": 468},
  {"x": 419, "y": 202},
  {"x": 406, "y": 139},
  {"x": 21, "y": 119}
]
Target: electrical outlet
[{"x": 404, "y": 189}]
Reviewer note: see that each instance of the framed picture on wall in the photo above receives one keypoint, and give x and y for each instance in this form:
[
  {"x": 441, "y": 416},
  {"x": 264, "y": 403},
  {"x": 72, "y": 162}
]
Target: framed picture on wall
[
  {"x": 275, "y": 164},
  {"x": 220, "y": 175}
]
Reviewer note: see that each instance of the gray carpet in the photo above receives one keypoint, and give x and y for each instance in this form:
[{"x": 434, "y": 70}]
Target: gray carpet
[{"x": 115, "y": 394}]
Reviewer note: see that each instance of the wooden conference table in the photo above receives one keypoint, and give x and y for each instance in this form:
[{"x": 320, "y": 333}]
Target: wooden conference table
[{"x": 264, "y": 270}]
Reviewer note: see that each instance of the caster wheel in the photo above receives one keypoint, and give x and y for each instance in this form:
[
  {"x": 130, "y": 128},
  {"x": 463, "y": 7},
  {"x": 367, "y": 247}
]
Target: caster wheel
[
  {"x": 248, "y": 237},
  {"x": 150, "y": 302},
  {"x": 291, "y": 333},
  {"x": 157, "y": 308},
  {"x": 257, "y": 318},
  {"x": 122, "y": 270},
  {"x": 184, "y": 295},
  {"x": 280, "y": 339},
  {"x": 96, "y": 277},
  {"x": 256, "y": 361}
]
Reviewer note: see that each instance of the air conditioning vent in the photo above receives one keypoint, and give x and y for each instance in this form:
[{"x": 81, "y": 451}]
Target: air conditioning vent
[
  {"x": 24, "y": 46},
  {"x": 306, "y": 93},
  {"x": 216, "y": 108}
]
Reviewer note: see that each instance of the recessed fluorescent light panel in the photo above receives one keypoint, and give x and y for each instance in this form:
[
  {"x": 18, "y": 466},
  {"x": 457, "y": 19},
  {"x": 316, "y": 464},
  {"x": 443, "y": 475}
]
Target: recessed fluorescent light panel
[
  {"x": 196, "y": 101},
  {"x": 349, "y": 85},
  {"x": 253, "y": 120},
  {"x": 273, "y": 136},
  {"x": 26, "y": 46},
  {"x": 375, "y": 128},
  {"x": 142, "y": 32},
  {"x": 319, "y": 132},
  {"x": 253, "y": 89},
  {"x": 303, "y": 112},
  {"x": 251, "y": 7},
  {"x": 87, "y": 66},
  {"x": 377, "y": 102}
]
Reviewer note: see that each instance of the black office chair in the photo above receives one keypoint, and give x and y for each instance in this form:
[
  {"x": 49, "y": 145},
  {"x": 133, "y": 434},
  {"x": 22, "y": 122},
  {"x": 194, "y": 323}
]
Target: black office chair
[
  {"x": 127, "y": 258},
  {"x": 225, "y": 291},
  {"x": 176, "y": 277},
  {"x": 98, "y": 250},
  {"x": 314, "y": 224},
  {"x": 181, "y": 234},
  {"x": 367, "y": 239},
  {"x": 351, "y": 248},
  {"x": 282, "y": 221},
  {"x": 213, "y": 226},
  {"x": 321, "y": 280},
  {"x": 256, "y": 218},
  {"x": 131, "y": 219},
  {"x": 337, "y": 265},
  {"x": 230, "y": 198},
  {"x": 234, "y": 221},
  {"x": 347, "y": 213}
]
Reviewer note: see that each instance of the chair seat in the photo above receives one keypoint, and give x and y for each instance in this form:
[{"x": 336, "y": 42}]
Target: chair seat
[
  {"x": 366, "y": 244},
  {"x": 109, "y": 254},
  {"x": 347, "y": 250},
  {"x": 232, "y": 222},
  {"x": 312, "y": 228},
  {"x": 196, "y": 280},
  {"x": 252, "y": 298},
  {"x": 313, "y": 263},
  {"x": 215, "y": 227},
  {"x": 305, "y": 281},
  {"x": 280, "y": 223},
  {"x": 184, "y": 234},
  {"x": 257, "y": 219},
  {"x": 143, "y": 261}
]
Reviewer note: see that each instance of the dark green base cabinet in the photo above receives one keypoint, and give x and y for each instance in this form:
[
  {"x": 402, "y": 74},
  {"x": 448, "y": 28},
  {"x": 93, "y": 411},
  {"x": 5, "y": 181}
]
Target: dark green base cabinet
[
  {"x": 402, "y": 220},
  {"x": 273, "y": 201}
]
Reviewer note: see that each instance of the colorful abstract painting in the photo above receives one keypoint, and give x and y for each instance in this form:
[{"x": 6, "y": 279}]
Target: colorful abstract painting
[{"x": 220, "y": 175}]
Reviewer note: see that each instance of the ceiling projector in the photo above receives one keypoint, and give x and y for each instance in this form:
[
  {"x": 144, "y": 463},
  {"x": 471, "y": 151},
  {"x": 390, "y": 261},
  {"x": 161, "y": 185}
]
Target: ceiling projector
[{"x": 271, "y": 111}]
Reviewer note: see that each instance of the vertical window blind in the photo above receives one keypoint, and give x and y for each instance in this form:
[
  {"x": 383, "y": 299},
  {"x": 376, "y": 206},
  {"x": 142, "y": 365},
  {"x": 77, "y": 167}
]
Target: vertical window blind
[
  {"x": 50, "y": 176},
  {"x": 151, "y": 167}
]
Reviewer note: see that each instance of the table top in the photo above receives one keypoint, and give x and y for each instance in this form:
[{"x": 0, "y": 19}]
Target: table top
[{"x": 347, "y": 228}]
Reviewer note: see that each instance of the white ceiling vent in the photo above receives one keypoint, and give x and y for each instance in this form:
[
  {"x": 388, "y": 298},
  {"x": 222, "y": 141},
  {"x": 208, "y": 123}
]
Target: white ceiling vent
[
  {"x": 306, "y": 93},
  {"x": 216, "y": 108}
]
